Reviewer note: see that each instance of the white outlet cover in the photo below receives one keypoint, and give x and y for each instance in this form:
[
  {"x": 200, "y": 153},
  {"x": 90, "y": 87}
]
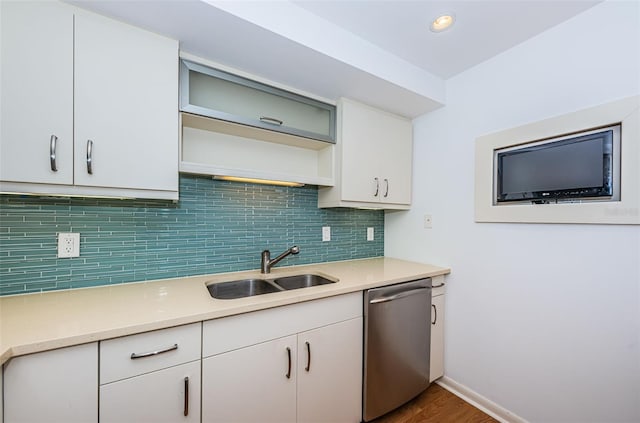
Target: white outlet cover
[
  {"x": 370, "y": 236},
  {"x": 326, "y": 233},
  {"x": 68, "y": 244},
  {"x": 428, "y": 221}
]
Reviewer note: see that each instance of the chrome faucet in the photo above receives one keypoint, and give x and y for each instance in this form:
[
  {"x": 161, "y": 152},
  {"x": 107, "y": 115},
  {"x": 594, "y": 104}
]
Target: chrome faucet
[{"x": 266, "y": 263}]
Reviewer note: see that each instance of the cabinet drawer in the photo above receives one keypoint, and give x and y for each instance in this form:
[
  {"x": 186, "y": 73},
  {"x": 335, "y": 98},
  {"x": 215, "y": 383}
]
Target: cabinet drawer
[
  {"x": 437, "y": 282},
  {"x": 146, "y": 352},
  {"x": 229, "y": 333},
  {"x": 210, "y": 92}
]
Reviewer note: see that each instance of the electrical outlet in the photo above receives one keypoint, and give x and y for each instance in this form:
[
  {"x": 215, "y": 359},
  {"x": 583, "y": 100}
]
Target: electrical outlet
[
  {"x": 369, "y": 234},
  {"x": 326, "y": 233},
  {"x": 68, "y": 244},
  {"x": 428, "y": 222}
]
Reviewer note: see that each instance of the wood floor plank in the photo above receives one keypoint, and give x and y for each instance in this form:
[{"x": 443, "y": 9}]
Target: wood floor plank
[{"x": 436, "y": 405}]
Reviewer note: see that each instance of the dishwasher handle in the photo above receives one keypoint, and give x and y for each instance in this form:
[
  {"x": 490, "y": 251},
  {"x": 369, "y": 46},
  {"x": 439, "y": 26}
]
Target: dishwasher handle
[{"x": 398, "y": 295}]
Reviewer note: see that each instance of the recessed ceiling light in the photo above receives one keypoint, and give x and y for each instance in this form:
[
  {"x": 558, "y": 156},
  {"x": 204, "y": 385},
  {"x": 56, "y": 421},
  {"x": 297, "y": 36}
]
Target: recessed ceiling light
[{"x": 442, "y": 22}]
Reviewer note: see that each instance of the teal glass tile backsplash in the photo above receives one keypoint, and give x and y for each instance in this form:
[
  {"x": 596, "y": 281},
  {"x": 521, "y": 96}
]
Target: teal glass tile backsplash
[{"x": 215, "y": 227}]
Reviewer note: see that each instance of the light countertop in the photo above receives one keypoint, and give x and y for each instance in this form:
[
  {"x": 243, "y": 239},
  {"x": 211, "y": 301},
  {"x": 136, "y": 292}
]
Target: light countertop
[{"x": 38, "y": 322}]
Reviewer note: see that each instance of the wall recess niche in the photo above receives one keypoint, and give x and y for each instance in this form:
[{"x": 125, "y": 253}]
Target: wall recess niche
[{"x": 625, "y": 112}]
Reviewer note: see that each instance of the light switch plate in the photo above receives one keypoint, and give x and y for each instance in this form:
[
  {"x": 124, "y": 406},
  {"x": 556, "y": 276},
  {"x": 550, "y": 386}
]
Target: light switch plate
[
  {"x": 326, "y": 233},
  {"x": 428, "y": 221},
  {"x": 68, "y": 244},
  {"x": 369, "y": 234}
]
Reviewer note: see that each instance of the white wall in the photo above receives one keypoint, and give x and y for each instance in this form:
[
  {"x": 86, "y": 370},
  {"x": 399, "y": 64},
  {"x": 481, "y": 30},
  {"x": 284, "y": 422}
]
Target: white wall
[{"x": 542, "y": 319}]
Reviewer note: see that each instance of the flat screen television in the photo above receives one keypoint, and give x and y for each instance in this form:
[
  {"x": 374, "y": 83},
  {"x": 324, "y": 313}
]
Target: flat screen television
[{"x": 577, "y": 167}]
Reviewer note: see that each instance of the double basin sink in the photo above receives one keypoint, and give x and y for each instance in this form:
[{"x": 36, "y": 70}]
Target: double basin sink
[{"x": 249, "y": 287}]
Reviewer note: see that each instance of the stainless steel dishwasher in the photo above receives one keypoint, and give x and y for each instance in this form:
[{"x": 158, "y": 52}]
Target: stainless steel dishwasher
[{"x": 397, "y": 337}]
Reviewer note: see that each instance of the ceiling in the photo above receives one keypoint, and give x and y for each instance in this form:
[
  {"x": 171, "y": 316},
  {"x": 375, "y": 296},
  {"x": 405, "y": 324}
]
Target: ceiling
[
  {"x": 380, "y": 52},
  {"x": 483, "y": 28}
]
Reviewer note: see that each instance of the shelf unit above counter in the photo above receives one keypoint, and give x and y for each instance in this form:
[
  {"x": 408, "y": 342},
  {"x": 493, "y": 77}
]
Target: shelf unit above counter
[
  {"x": 238, "y": 125},
  {"x": 220, "y": 148}
]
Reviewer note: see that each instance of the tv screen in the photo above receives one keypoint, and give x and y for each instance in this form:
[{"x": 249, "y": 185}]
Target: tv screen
[{"x": 572, "y": 167}]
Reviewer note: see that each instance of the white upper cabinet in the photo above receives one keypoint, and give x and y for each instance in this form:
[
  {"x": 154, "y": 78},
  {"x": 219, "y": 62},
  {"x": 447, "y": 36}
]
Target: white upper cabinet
[
  {"x": 126, "y": 104},
  {"x": 89, "y": 105},
  {"x": 37, "y": 92},
  {"x": 211, "y": 92},
  {"x": 373, "y": 159}
]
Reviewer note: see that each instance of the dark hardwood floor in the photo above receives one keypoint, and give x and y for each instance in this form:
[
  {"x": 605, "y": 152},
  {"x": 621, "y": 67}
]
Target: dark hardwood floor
[{"x": 436, "y": 405}]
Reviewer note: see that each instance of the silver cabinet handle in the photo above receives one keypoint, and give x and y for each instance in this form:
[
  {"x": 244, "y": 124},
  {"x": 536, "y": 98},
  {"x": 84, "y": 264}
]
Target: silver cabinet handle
[
  {"x": 90, "y": 157},
  {"x": 308, "y": 356},
  {"x": 152, "y": 353},
  {"x": 186, "y": 396},
  {"x": 398, "y": 296},
  {"x": 274, "y": 121},
  {"x": 288, "y": 375},
  {"x": 386, "y": 192},
  {"x": 435, "y": 314},
  {"x": 52, "y": 152},
  {"x": 377, "y": 187},
  {"x": 438, "y": 286}
]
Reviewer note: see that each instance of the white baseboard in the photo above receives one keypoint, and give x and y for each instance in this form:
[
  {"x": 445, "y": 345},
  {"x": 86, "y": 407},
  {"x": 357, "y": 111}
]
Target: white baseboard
[{"x": 491, "y": 408}]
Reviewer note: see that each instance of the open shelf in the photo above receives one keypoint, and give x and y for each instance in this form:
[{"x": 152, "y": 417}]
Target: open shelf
[{"x": 215, "y": 147}]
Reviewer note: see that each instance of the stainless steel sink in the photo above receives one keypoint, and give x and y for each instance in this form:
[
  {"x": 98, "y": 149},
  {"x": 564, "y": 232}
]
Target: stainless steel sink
[
  {"x": 249, "y": 287},
  {"x": 241, "y": 289},
  {"x": 301, "y": 281}
]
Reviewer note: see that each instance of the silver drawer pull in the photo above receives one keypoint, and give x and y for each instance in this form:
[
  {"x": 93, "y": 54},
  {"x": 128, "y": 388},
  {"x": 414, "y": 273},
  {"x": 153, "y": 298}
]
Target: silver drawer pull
[
  {"x": 438, "y": 286},
  {"x": 267, "y": 119},
  {"x": 52, "y": 152},
  {"x": 152, "y": 353},
  {"x": 90, "y": 157}
]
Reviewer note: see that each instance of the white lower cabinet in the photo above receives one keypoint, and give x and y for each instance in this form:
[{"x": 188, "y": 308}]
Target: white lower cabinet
[
  {"x": 295, "y": 363},
  {"x": 168, "y": 395},
  {"x": 58, "y": 386},
  {"x": 330, "y": 373},
  {"x": 151, "y": 376},
  {"x": 437, "y": 329},
  {"x": 251, "y": 384},
  {"x": 309, "y": 369}
]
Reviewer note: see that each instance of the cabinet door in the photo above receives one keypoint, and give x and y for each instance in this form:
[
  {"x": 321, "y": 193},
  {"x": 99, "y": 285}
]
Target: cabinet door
[
  {"x": 251, "y": 384},
  {"x": 330, "y": 373},
  {"x": 169, "y": 395},
  {"x": 376, "y": 155},
  {"x": 437, "y": 338},
  {"x": 362, "y": 144},
  {"x": 126, "y": 106},
  {"x": 53, "y": 386},
  {"x": 211, "y": 92},
  {"x": 36, "y": 92},
  {"x": 396, "y": 174}
]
